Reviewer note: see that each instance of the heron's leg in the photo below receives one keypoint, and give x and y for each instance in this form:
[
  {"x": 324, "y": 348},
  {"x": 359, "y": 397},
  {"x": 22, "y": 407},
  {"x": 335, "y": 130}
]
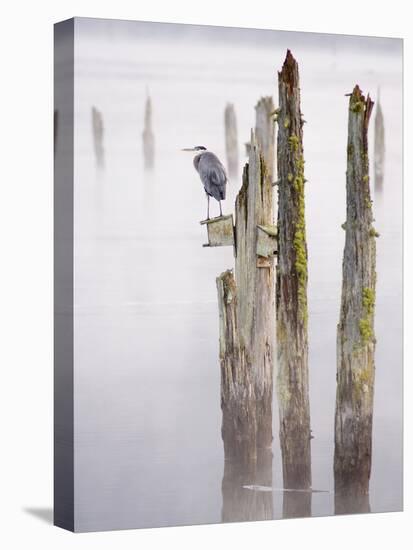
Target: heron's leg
[
  {"x": 220, "y": 209},
  {"x": 208, "y": 207}
]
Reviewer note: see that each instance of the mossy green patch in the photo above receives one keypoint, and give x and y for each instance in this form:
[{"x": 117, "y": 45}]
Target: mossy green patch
[
  {"x": 369, "y": 300},
  {"x": 299, "y": 241},
  {"x": 363, "y": 380},
  {"x": 366, "y": 331},
  {"x": 294, "y": 142},
  {"x": 366, "y": 322},
  {"x": 357, "y": 106}
]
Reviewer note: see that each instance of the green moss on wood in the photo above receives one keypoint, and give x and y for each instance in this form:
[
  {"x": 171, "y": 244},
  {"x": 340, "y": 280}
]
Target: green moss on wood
[
  {"x": 299, "y": 241},
  {"x": 366, "y": 331},
  {"x": 357, "y": 106},
  {"x": 366, "y": 322},
  {"x": 294, "y": 142},
  {"x": 369, "y": 300},
  {"x": 363, "y": 380}
]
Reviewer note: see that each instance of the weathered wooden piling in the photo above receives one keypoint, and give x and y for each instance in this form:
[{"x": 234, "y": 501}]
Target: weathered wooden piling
[
  {"x": 291, "y": 284},
  {"x": 148, "y": 138},
  {"x": 247, "y": 324},
  {"x": 98, "y": 134},
  {"x": 379, "y": 147},
  {"x": 246, "y": 300},
  {"x": 355, "y": 332},
  {"x": 231, "y": 140}
]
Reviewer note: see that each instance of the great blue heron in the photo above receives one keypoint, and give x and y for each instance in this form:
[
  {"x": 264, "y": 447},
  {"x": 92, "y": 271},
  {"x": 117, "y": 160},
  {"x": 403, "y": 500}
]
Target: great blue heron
[{"x": 212, "y": 174}]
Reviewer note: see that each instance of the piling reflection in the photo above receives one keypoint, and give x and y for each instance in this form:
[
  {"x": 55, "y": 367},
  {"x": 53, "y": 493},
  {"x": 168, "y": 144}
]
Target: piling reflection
[
  {"x": 296, "y": 465},
  {"x": 248, "y": 491},
  {"x": 247, "y": 488},
  {"x": 350, "y": 501},
  {"x": 296, "y": 504}
]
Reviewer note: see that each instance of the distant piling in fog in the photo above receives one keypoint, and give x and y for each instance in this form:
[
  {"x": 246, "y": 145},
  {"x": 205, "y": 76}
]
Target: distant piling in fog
[
  {"x": 355, "y": 331},
  {"x": 291, "y": 295},
  {"x": 231, "y": 140},
  {"x": 98, "y": 135},
  {"x": 379, "y": 146},
  {"x": 148, "y": 138},
  {"x": 265, "y": 132}
]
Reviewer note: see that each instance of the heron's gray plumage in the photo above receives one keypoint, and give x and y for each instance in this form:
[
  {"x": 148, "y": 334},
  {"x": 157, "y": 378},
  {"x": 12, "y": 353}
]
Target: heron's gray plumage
[{"x": 212, "y": 174}]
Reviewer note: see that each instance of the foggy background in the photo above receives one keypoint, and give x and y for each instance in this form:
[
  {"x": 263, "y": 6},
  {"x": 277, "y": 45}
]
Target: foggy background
[{"x": 147, "y": 411}]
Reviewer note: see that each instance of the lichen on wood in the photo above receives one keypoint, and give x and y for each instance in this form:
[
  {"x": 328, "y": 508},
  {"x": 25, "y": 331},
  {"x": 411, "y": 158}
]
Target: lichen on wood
[
  {"x": 291, "y": 287},
  {"x": 355, "y": 332}
]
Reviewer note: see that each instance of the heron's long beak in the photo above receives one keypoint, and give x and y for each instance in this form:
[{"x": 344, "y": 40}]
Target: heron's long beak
[{"x": 188, "y": 149}]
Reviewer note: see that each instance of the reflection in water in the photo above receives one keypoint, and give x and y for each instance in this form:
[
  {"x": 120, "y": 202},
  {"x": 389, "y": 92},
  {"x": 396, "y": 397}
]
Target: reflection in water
[
  {"x": 247, "y": 492},
  {"x": 297, "y": 495},
  {"x": 242, "y": 497},
  {"x": 351, "y": 502},
  {"x": 296, "y": 504}
]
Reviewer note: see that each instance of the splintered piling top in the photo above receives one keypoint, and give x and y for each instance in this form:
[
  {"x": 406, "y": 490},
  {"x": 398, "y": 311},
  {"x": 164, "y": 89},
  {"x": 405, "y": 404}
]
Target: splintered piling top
[
  {"x": 289, "y": 71},
  {"x": 360, "y": 104}
]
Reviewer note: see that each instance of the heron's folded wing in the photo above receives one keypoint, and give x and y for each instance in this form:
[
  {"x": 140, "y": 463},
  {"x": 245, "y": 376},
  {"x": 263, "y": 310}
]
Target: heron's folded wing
[{"x": 213, "y": 177}]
